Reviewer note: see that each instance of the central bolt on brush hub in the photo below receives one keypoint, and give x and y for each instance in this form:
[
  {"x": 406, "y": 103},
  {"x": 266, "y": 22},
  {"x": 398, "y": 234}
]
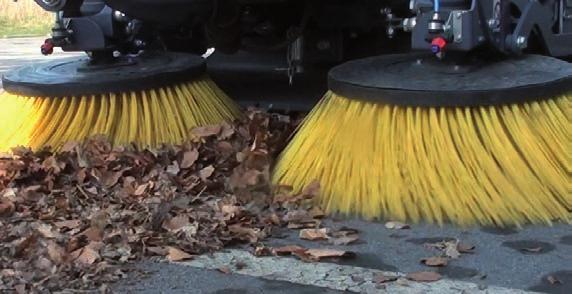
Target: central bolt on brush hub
[
  {"x": 421, "y": 80},
  {"x": 76, "y": 76}
]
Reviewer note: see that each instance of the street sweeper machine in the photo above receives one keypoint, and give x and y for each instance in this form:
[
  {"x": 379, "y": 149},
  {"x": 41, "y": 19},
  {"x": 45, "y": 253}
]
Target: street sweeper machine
[{"x": 437, "y": 110}]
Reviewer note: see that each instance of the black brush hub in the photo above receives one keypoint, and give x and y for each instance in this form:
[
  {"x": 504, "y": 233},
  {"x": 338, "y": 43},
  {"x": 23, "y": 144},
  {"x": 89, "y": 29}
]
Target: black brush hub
[
  {"x": 78, "y": 76},
  {"x": 422, "y": 80}
]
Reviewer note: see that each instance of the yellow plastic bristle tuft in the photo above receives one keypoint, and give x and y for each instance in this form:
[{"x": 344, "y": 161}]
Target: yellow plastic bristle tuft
[
  {"x": 502, "y": 166},
  {"x": 147, "y": 118}
]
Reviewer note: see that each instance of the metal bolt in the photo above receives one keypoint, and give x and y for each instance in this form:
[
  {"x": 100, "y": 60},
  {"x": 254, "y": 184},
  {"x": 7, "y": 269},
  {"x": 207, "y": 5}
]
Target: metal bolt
[
  {"x": 521, "y": 42},
  {"x": 493, "y": 23},
  {"x": 390, "y": 31}
]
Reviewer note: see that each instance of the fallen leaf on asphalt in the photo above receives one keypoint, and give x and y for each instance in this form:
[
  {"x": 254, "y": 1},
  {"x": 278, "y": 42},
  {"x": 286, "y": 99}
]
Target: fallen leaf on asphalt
[
  {"x": 553, "y": 280},
  {"x": 175, "y": 254},
  {"x": 328, "y": 253},
  {"x": 393, "y": 225},
  {"x": 451, "y": 250},
  {"x": 381, "y": 278},
  {"x": 158, "y": 250},
  {"x": 287, "y": 250},
  {"x": 424, "y": 276},
  {"x": 224, "y": 270},
  {"x": 302, "y": 225},
  {"x": 342, "y": 241},
  {"x": 314, "y": 234},
  {"x": 465, "y": 248},
  {"x": 262, "y": 250},
  {"x": 343, "y": 236},
  {"x": 532, "y": 250},
  {"x": 435, "y": 261}
]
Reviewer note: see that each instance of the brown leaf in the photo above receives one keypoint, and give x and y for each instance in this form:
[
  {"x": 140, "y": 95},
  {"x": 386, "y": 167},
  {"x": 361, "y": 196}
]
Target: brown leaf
[
  {"x": 69, "y": 224},
  {"x": 141, "y": 189},
  {"x": 314, "y": 234},
  {"x": 312, "y": 189},
  {"x": 435, "y": 261},
  {"x": 262, "y": 250},
  {"x": 553, "y": 280},
  {"x": 157, "y": 250},
  {"x": 424, "y": 276},
  {"x": 70, "y": 146},
  {"x": 177, "y": 223},
  {"x": 328, "y": 253},
  {"x": 381, "y": 278},
  {"x": 46, "y": 231},
  {"x": 20, "y": 289},
  {"x": 298, "y": 216},
  {"x": 287, "y": 250},
  {"x": 226, "y": 132},
  {"x": 302, "y": 225},
  {"x": 206, "y": 172},
  {"x": 346, "y": 240},
  {"x": 93, "y": 234},
  {"x": 251, "y": 235},
  {"x": 394, "y": 225},
  {"x": 175, "y": 254},
  {"x": 100, "y": 219},
  {"x": 56, "y": 252},
  {"x": 86, "y": 256},
  {"x": 317, "y": 212},
  {"x": 206, "y": 131},
  {"x": 110, "y": 178},
  {"x": 189, "y": 159},
  {"x": 173, "y": 169},
  {"x": 7, "y": 208}
]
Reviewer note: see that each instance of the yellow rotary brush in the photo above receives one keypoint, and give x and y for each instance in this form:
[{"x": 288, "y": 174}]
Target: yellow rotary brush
[
  {"x": 411, "y": 139},
  {"x": 146, "y": 100}
]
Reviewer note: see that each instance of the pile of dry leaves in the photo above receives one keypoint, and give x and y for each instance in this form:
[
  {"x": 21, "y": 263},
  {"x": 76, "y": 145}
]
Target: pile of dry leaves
[{"x": 70, "y": 220}]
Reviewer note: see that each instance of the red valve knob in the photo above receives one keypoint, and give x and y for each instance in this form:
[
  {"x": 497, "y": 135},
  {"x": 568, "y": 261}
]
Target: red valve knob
[
  {"x": 438, "y": 44},
  {"x": 48, "y": 47}
]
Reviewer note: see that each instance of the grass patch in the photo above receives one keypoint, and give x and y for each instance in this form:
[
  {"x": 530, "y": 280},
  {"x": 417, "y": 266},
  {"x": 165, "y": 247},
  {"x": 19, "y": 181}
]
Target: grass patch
[{"x": 23, "y": 18}]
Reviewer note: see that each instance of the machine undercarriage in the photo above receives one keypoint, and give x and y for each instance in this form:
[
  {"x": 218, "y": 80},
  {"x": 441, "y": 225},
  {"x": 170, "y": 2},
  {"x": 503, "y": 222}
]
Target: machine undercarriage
[{"x": 315, "y": 32}]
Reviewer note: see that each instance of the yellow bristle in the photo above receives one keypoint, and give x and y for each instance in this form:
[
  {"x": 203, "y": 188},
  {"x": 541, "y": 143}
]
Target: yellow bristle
[
  {"x": 146, "y": 118},
  {"x": 506, "y": 165}
]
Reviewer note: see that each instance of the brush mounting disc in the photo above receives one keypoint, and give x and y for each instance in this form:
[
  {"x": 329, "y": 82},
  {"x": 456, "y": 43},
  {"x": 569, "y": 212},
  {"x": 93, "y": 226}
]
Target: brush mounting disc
[
  {"x": 77, "y": 76},
  {"x": 422, "y": 80}
]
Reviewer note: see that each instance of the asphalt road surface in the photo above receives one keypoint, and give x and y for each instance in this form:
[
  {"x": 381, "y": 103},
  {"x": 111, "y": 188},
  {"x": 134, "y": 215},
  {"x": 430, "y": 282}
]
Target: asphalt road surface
[{"x": 500, "y": 263}]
